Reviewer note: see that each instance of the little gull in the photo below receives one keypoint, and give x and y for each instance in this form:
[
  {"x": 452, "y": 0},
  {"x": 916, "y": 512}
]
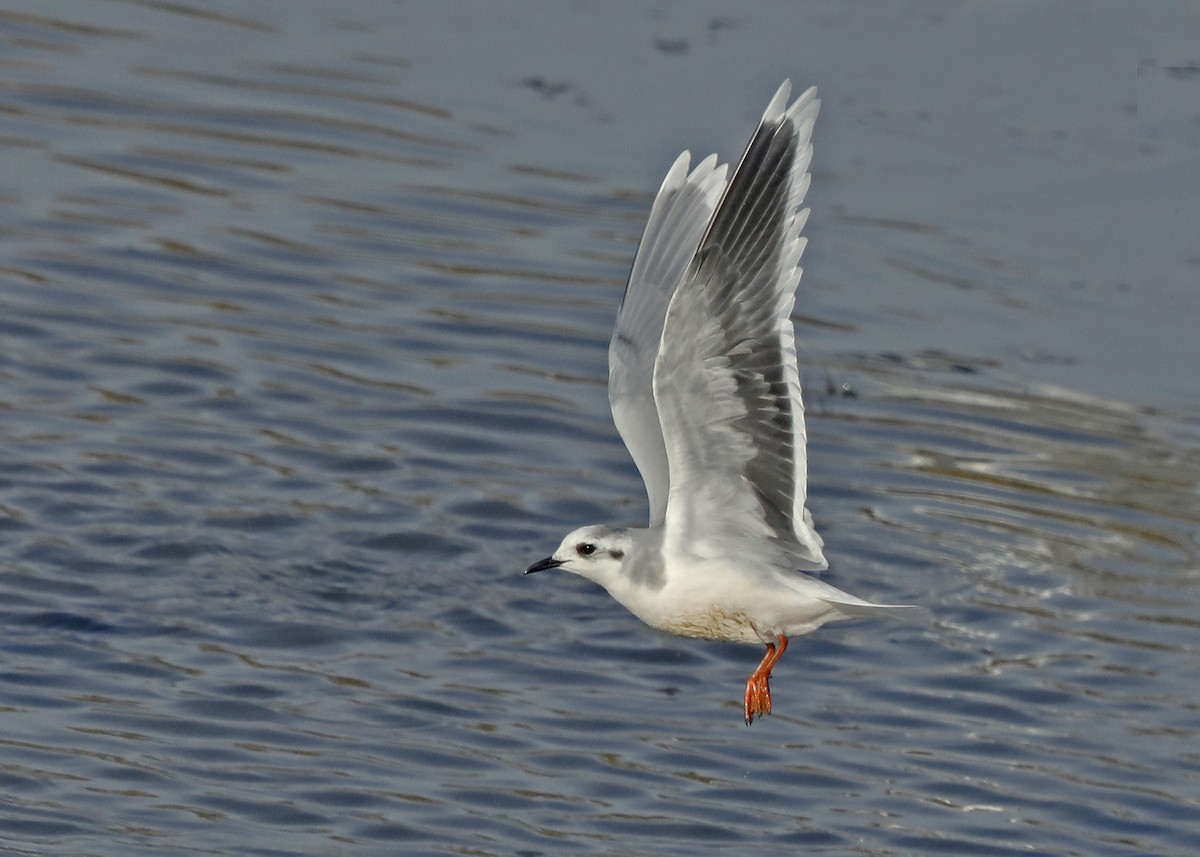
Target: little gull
[{"x": 706, "y": 395}]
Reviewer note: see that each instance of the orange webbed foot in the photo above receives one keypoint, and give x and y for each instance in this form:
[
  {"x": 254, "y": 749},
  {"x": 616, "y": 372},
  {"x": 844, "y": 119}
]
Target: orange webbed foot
[
  {"x": 758, "y": 697},
  {"x": 758, "y": 686}
]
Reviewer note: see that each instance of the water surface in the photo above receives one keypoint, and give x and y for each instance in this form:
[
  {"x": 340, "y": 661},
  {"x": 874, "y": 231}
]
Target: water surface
[{"x": 304, "y": 315}]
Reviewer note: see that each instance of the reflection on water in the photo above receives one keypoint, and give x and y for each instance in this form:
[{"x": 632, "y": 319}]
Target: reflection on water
[{"x": 299, "y": 370}]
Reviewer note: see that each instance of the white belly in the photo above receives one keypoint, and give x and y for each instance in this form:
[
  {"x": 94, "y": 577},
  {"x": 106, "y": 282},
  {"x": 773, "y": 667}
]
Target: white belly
[{"x": 726, "y": 604}]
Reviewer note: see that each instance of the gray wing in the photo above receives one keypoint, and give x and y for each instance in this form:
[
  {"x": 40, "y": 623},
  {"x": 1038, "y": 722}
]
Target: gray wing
[
  {"x": 725, "y": 380},
  {"x": 681, "y": 212}
]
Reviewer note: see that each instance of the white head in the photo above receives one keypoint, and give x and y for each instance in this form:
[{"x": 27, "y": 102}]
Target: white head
[{"x": 596, "y": 552}]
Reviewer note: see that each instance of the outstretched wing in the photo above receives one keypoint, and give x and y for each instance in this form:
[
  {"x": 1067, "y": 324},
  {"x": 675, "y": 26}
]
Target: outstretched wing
[
  {"x": 681, "y": 212},
  {"x": 725, "y": 380}
]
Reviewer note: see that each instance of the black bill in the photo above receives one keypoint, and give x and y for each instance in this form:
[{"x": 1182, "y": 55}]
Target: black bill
[{"x": 543, "y": 564}]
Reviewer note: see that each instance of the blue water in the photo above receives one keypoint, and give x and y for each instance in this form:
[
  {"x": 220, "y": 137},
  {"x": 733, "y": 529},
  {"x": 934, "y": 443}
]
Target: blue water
[{"x": 304, "y": 312}]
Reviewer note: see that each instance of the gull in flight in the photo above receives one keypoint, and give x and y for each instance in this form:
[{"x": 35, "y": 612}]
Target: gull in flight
[{"x": 706, "y": 395}]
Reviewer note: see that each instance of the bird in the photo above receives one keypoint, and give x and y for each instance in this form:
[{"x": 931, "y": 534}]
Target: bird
[{"x": 705, "y": 392}]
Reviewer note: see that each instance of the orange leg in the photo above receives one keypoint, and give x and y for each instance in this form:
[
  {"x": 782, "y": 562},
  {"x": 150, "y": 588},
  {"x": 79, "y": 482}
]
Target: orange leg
[{"x": 758, "y": 686}]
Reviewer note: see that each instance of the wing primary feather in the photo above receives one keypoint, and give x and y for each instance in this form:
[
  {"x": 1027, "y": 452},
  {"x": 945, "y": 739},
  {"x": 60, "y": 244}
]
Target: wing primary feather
[
  {"x": 681, "y": 211},
  {"x": 725, "y": 381}
]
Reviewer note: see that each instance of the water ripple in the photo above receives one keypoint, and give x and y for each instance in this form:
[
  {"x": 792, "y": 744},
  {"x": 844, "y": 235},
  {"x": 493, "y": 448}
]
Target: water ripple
[{"x": 302, "y": 366}]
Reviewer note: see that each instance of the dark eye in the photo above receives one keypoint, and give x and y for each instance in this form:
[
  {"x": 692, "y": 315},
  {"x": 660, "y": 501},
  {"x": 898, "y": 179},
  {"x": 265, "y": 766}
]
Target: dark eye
[{"x": 585, "y": 548}]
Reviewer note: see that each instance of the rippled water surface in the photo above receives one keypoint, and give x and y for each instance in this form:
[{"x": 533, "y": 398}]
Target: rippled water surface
[{"x": 304, "y": 311}]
